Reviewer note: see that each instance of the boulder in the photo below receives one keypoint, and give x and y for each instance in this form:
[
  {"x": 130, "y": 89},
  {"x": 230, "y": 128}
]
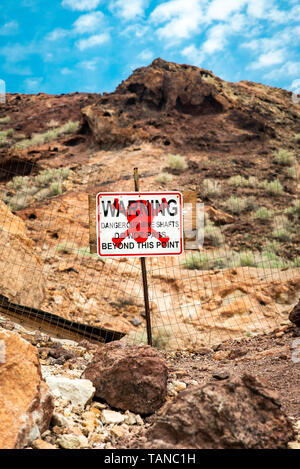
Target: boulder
[
  {"x": 26, "y": 405},
  {"x": 294, "y": 316},
  {"x": 129, "y": 377},
  {"x": 239, "y": 413},
  {"x": 23, "y": 281}
]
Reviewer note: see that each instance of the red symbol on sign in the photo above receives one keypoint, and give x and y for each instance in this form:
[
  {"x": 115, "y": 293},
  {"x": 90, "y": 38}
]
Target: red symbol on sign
[{"x": 140, "y": 219}]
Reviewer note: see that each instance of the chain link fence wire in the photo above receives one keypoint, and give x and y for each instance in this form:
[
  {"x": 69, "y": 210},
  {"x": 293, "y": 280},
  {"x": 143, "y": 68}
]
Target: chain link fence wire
[{"x": 52, "y": 282}]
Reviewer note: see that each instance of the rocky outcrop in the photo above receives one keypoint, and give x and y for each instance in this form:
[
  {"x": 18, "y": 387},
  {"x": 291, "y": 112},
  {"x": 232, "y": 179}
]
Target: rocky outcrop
[
  {"x": 239, "y": 413},
  {"x": 23, "y": 281},
  {"x": 166, "y": 103},
  {"x": 129, "y": 377},
  {"x": 26, "y": 405}
]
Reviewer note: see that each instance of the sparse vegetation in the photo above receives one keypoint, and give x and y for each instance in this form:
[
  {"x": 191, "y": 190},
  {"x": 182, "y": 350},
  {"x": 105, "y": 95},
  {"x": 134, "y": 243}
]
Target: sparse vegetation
[
  {"x": 213, "y": 234},
  {"x": 297, "y": 138},
  {"x": 284, "y": 158},
  {"x": 273, "y": 188},
  {"x": 263, "y": 214},
  {"x": 240, "y": 181},
  {"x": 49, "y": 135},
  {"x": 23, "y": 190},
  {"x": 281, "y": 234},
  {"x": 211, "y": 188},
  {"x": 292, "y": 172},
  {"x": 176, "y": 162},
  {"x": 237, "y": 205},
  {"x": 5, "y": 120},
  {"x": 163, "y": 179}
]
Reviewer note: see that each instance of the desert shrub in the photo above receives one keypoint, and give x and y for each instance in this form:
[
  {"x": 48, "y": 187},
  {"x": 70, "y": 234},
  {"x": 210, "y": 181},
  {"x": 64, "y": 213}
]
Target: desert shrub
[
  {"x": 18, "y": 202},
  {"x": 237, "y": 205},
  {"x": 49, "y": 135},
  {"x": 284, "y": 158},
  {"x": 297, "y": 138},
  {"x": 204, "y": 261},
  {"x": 5, "y": 120},
  {"x": 281, "y": 234},
  {"x": 273, "y": 187},
  {"x": 213, "y": 234},
  {"x": 292, "y": 172},
  {"x": 211, "y": 188},
  {"x": 296, "y": 262},
  {"x": 161, "y": 336},
  {"x": 18, "y": 182},
  {"x": 238, "y": 181},
  {"x": 55, "y": 188},
  {"x": 10, "y": 133},
  {"x": 176, "y": 162},
  {"x": 48, "y": 183},
  {"x": 53, "y": 123},
  {"x": 69, "y": 127},
  {"x": 163, "y": 179},
  {"x": 247, "y": 259},
  {"x": 263, "y": 214}
]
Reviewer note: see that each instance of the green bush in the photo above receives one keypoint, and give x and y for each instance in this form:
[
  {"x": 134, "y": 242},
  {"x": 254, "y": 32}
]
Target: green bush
[
  {"x": 176, "y": 162},
  {"x": 292, "y": 173},
  {"x": 237, "y": 205},
  {"x": 263, "y": 214},
  {"x": 204, "y": 261},
  {"x": 49, "y": 135},
  {"x": 5, "y": 120},
  {"x": 284, "y": 158},
  {"x": 163, "y": 179},
  {"x": 55, "y": 188},
  {"x": 281, "y": 234},
  {"x": 213, "y": 234},
  {"x": 273, "y": 187},
  {"x": 247, "y": 259},
  {"x": 211, "y": 188},
  {"x": 240, "y": 181}
]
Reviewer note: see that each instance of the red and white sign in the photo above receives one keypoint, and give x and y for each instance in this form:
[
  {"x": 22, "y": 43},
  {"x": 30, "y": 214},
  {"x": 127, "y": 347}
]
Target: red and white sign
[{"x": 139, "y": 224}]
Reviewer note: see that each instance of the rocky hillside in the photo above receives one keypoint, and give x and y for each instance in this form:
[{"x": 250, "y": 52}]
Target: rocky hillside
[{"x": 235, "y": 144}]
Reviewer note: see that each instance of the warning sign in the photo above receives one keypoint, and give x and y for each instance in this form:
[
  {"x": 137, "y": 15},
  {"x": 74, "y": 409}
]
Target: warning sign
[{"x": 139, "y": 224}]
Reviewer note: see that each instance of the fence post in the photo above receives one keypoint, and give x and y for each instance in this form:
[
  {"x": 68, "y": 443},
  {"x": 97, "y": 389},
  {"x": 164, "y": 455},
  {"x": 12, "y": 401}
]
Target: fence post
[{"x": 144, "y": 272}]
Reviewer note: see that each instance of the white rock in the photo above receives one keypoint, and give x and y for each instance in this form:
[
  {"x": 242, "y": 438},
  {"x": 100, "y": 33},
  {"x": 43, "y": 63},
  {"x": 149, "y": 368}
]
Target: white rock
[
  {"x": 179, "y": 385},
  {"x": 110, "y": 416},
  {"x": 70, "y": 441},
  {"x": 77, "y": 391}
]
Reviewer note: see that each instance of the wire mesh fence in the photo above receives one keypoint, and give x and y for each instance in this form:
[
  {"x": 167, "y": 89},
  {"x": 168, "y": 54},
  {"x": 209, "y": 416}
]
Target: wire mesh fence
[{"x": 51, "y": 281}]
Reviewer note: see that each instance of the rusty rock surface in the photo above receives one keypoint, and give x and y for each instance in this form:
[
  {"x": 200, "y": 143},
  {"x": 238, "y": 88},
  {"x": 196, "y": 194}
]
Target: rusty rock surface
[{"x": 129, "y": 377}]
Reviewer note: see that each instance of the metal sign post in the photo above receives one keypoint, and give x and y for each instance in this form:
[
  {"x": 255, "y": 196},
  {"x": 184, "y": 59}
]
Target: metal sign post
[{"x": 144, "y": 273}]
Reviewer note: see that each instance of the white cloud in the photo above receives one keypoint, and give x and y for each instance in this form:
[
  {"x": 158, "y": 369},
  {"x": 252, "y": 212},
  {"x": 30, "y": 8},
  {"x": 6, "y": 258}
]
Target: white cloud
[
  {"x": 88, "y": 23},
  {"x": 90, "y": 65},
  {"x": 182, "y": 19},
  {"x": 9, "y": 28},
  {"x": 221, "y": 10},
  {"x": 32, "y": 85},
  {"x": 274, "y": 57},
  {"x": 57, "y": 34},
  {"x": 92, "y": 41},
  {"x": 289, "y": 68},
  {"x": 193, "y": 55},
  {"x": 128, "y": 9},
  {"x": 81, "y": 5},
  {"x": 146, "y": 55}
]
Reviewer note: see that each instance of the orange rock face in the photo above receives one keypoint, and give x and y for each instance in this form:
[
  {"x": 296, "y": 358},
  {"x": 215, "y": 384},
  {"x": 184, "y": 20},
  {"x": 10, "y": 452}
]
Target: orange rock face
[
  {"x": 26, "y": 404},
  {"x": 23, "y": 281}
]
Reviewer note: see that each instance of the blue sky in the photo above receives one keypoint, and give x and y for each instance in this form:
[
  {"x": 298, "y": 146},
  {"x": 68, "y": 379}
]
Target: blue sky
[{"x": 60, "y": 46}]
